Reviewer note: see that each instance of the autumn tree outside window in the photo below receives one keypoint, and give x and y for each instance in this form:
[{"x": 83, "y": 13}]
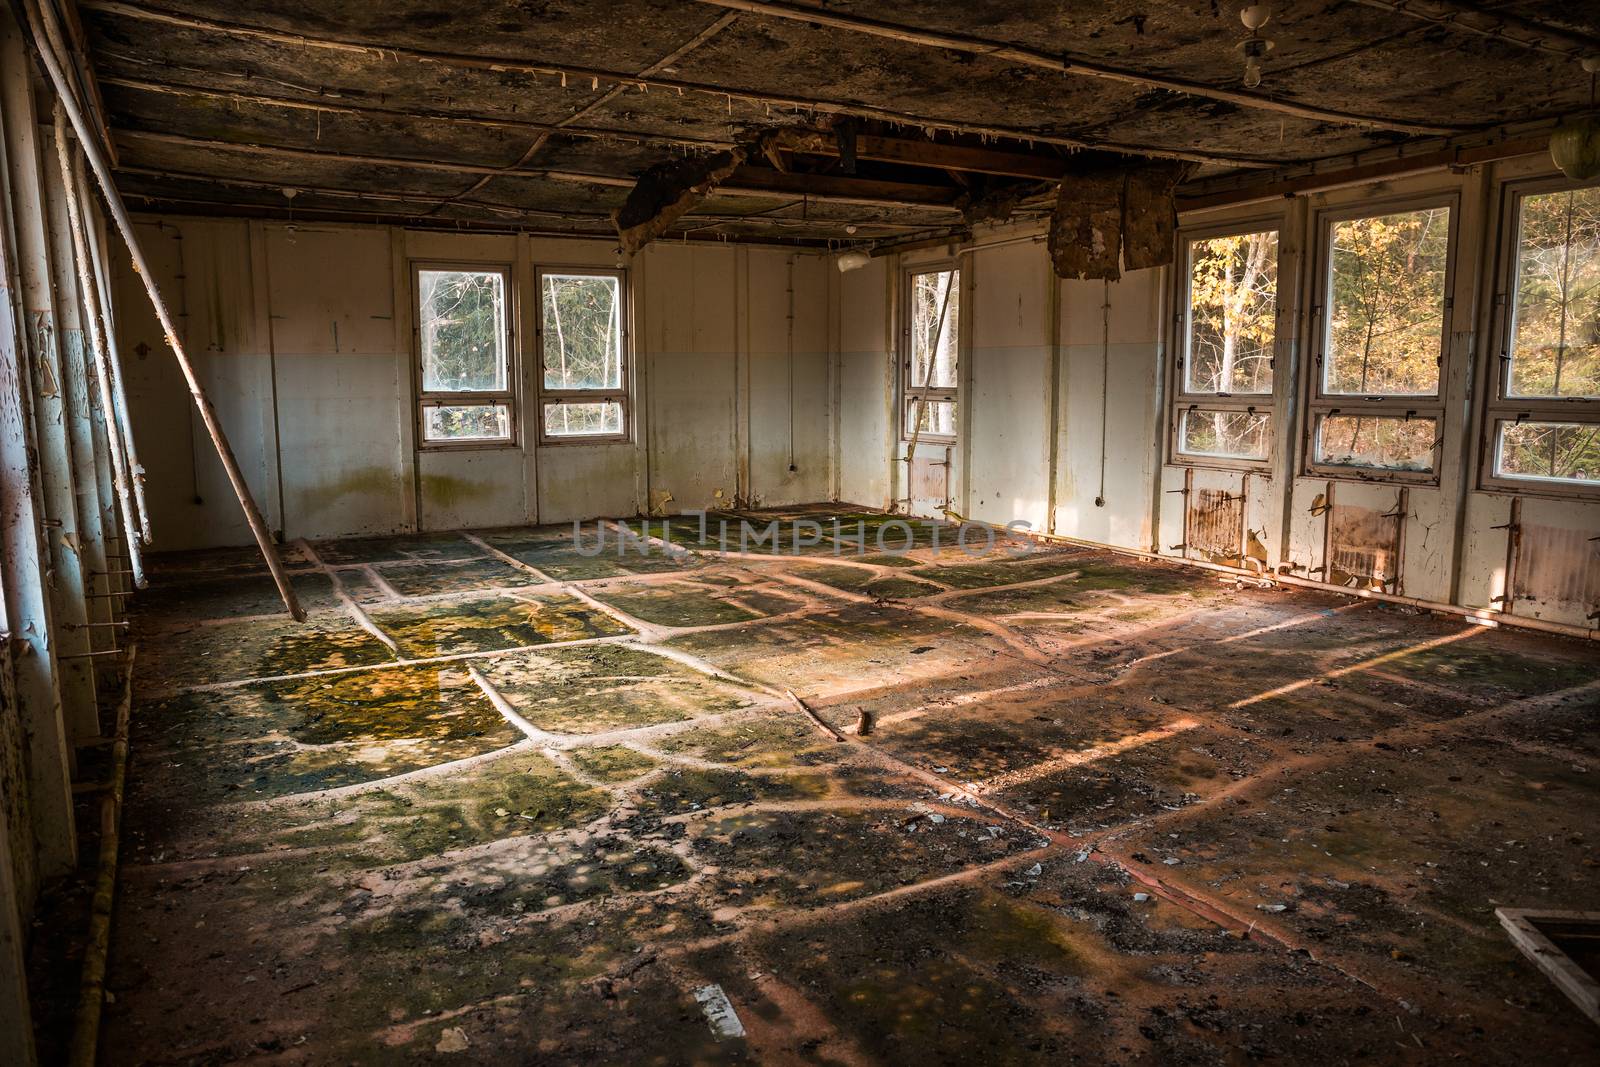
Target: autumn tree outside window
[
  {"x": 1227, "y": 332},
  {"x": 1383, "y": 317},
  {"x": 1542, "y": 431}
]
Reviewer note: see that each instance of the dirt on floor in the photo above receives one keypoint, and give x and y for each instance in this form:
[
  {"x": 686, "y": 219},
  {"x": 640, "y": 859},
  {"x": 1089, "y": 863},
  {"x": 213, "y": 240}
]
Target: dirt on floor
[{"x": 506, "y": 801}]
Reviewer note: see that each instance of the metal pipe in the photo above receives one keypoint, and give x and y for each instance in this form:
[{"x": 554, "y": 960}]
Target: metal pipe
[
  {"x": 102, "y": 278},
  {"x": 92, "y": 984},
  {"x": 40, "y": 18},
  {"x": 97, "y": 343}
]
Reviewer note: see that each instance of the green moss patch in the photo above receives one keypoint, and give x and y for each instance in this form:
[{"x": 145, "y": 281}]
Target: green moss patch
[{"x": 493, "y": 623}]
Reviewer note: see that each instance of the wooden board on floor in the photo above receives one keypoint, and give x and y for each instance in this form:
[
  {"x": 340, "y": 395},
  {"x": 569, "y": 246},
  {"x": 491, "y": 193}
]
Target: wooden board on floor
[{"x": 1541, "y": 934}]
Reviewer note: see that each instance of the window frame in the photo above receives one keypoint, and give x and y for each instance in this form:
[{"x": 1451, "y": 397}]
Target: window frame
[
  {"x": 426, "y": 399},
  {"x": 1499, "y": 406},
  {"x": 1181, "y": 401},
  {"x": 909, "y": 392},
  {"x": 1317, "y": 404},
  {"x": 621, "y": 395}
]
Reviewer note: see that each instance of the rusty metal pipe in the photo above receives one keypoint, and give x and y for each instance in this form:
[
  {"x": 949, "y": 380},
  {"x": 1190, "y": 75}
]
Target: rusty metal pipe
[{"x": 41, "y": 21}]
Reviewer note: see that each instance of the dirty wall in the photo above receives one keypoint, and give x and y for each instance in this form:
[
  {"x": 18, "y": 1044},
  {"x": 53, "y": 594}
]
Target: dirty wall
[
  {"x": 304, "y": 335},
  {"x": 1065, "y": 419}
]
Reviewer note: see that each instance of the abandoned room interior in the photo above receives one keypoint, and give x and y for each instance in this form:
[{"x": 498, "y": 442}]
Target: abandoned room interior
[{"x": 799, "y": 531}]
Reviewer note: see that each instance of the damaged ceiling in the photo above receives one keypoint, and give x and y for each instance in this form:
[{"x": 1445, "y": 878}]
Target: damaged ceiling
[{"x": 907, "y": 120}]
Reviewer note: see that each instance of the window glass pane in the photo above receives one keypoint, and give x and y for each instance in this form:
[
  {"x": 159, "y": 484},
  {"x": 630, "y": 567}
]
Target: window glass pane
[
  {"x": 462, "y": 319},
  {"x": 1233, "y": 434},
  {"x": 1233, "y": 293},
  {"x": 467, "y": 422},
  {"x": 931, "y": 417},
  {"x": 582, "y": 331},
  {"x": 1385, "y": 442},
  {"x": 935, "y": 316},
  {"x": 1562, "y": 451},
  {"x": 1555, "y": 342},
  {"x": 1386, "y": 304},
  {"x": 582, "y": 420}
]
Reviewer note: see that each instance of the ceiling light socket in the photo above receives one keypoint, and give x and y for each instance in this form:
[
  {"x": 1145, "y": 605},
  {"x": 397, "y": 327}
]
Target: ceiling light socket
[{"x": 1254, "y": 50}]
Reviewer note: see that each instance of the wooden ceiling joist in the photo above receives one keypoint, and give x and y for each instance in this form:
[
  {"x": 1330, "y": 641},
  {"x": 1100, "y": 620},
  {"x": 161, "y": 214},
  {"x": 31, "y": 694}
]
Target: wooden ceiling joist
[
  {"x": 336, "y": 106},
  {"x": 1504, "y": 26},
  {"x": 1063, "y": 64},
  {"x": 597, "y": 77},
  {"x": 911, "y": 151},
  {"x": 510, "y": 212},
  {"x": 748, "y": 181}
]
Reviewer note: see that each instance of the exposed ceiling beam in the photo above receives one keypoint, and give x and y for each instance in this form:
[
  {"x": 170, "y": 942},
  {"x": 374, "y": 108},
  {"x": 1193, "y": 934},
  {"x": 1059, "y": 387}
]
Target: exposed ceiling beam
[
  {"x": 339, "y": 107},
  {"x": 507, "y": 211},
  {"x": 152, "y": 202},
  {"x": 749, "y": 181},
  {"x": 767, "y": 182},
  {"x": 912, "y": 151},
  {"x": 596, "y": 77},
  {"x": 925, "y": 153},
  {"x": 1379, "y": 170},
  {"x": 1065, "y": 65},
  {"x": 1498, "y": 25}
]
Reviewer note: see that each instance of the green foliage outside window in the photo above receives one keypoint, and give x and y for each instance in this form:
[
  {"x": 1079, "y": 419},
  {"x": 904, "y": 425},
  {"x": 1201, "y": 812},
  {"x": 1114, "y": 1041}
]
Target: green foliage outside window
[
  {"x": 462, "y": 321},
  {"x": 1386, "y": 304}
]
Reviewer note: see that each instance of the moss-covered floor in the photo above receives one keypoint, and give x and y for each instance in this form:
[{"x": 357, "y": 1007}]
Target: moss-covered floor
[{"x": 503, "y": 802}]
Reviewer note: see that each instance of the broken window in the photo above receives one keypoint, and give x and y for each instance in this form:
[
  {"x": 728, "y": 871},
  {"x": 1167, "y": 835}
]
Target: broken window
[
  {"x": 1544, "y": 412},
  {"x": 1227, "y": 332},
  {"x": 464, "y": 348},
  {"x": 932, "y": 343},
  {"x": 582, "y": 351},
  {"x": 1383, "y": 315}
]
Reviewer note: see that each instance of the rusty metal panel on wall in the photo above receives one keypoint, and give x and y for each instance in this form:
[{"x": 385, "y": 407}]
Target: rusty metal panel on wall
[
  {"x": 1216, "y": 526},
  {"x": 1364, "y": 546},
  {"x": 1557, "y": 570}
]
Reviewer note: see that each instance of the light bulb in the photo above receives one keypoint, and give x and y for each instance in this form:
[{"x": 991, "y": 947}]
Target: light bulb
[{"x": 1252, "y": 72}]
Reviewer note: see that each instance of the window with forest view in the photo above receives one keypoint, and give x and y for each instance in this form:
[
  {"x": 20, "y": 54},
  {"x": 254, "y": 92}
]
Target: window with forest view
[
  {"x": 1222, "y": 402},
  {"x": 1385, "y": 320},
  {"x": 1386, "y": 298},
  {"x": 581, "y": 351},
  {"x": 464, "y": 345},
  {"x": 932, "y": 345},
  {"x": 1546, "y": 409}
]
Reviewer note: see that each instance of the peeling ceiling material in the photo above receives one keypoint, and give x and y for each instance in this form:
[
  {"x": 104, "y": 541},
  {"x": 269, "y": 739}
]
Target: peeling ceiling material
[
  {"x": 1086, "y": 229},
  {"x": 666, "y": 191},
  {"x": 1115, "y": 218},
  {"x": 1150, "y": 214},
  {"x": 543, "y": 117}
]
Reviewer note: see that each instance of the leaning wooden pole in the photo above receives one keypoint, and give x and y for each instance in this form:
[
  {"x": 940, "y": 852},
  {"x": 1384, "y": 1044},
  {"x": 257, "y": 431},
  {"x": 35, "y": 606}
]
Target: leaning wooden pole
[
  {"x": 41, "y": 21},
  {"x": 120, "y": 474}
]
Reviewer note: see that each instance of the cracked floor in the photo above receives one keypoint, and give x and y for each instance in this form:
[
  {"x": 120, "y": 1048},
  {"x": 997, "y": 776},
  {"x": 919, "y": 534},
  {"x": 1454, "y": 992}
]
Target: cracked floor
[{"x": 500, "y": 801}]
